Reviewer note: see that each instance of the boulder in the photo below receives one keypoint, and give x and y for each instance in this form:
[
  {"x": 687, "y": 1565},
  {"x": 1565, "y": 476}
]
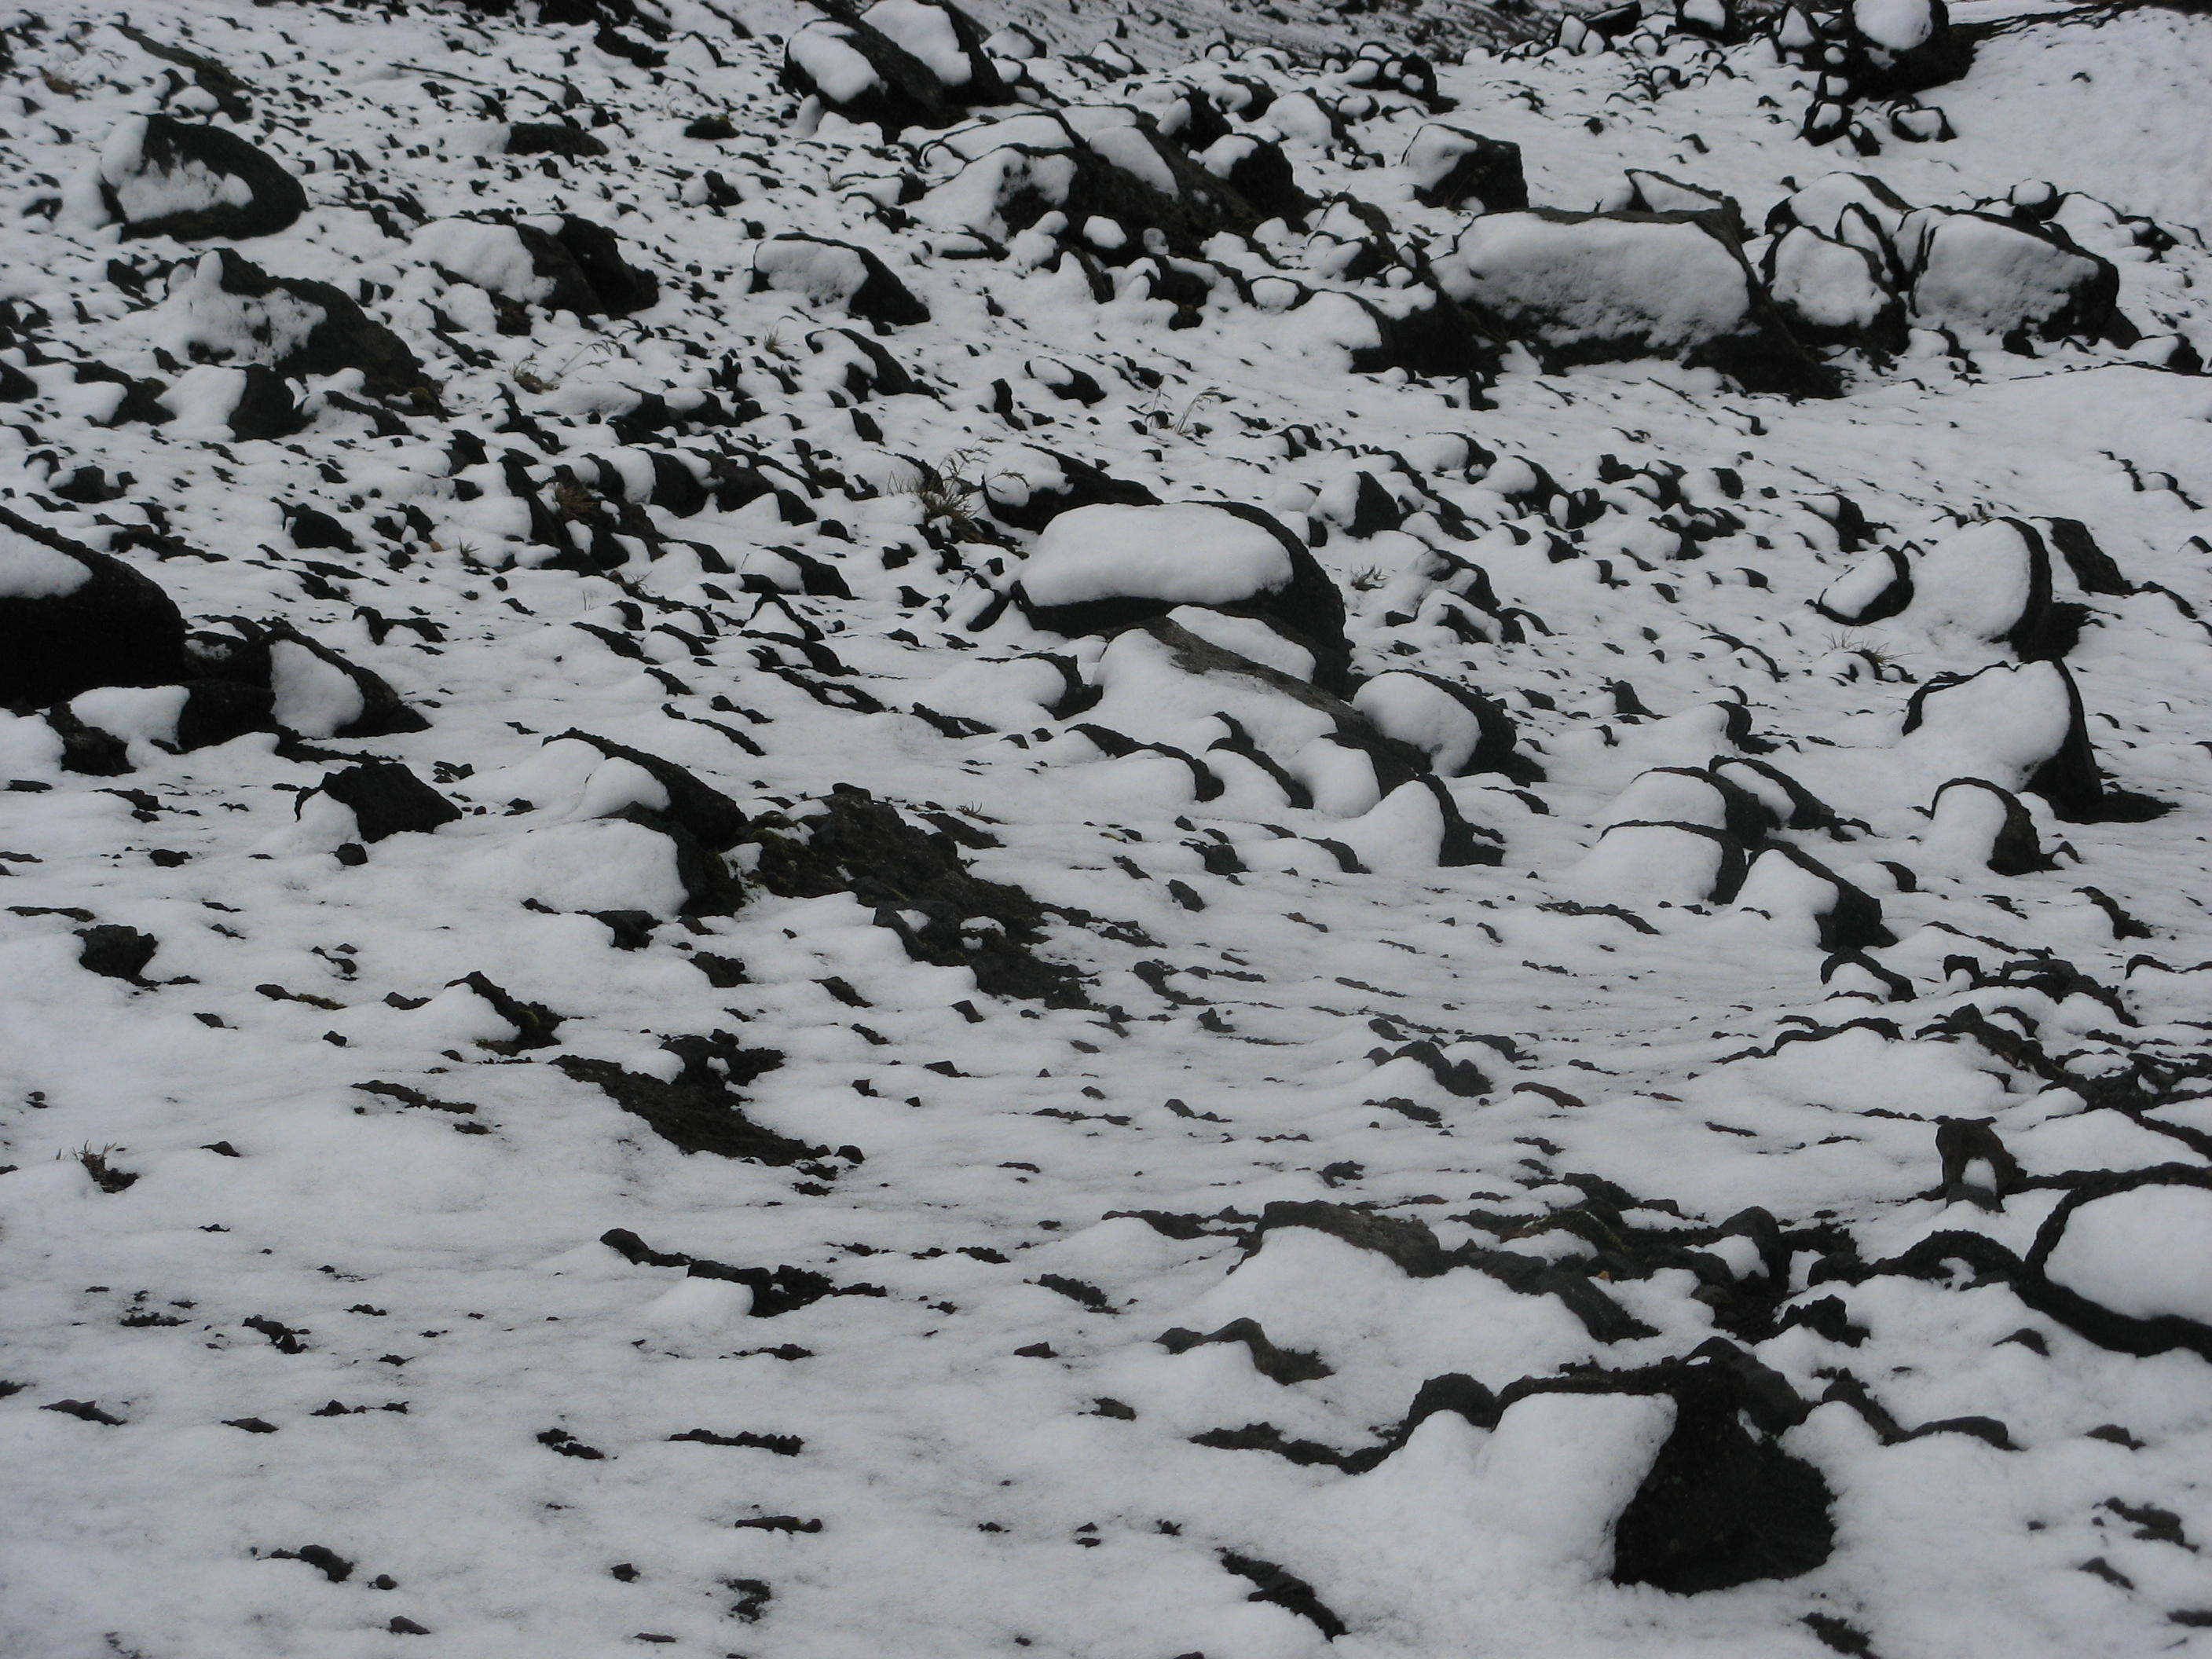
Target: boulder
[
  {"x": 1605, "y": 287},
  {"x": 1831, "y": 293},
  {"x": 903, "y": 63},
  {"x": 836, "y": 275},
  {"x": 385, "y": 799},
  {"x": 224, "y": 308},
  {"x": 1452, "y": 167},
  {"x": 1978, "y": 274},
  {"x": 1099, "y": 569},
  {"x": 72, "y": 619},
  {"x": 1460, "y": 730},
  {"x": 163, "y": 177}
]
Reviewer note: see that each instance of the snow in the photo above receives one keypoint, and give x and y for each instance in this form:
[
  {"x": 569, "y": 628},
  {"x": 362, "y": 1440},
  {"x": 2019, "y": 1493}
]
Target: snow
[
  {"x": 144, "y": 194},
  {"x": 824, "y": 52},
  {"x": 491, "y": 256},
  {"x": 925, "y": 32},
  {"x": 1895, "y": 25},
  {"x": 604, "y": 865},
  {"x": 314, "y": 697},
  {"x": 1193, "y": 554},
  {"x": 1414, "y": 710},
  {"x": 32, "y": 570}
]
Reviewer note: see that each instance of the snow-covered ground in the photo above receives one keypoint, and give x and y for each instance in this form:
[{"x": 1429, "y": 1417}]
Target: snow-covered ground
[{"x": 750, "y": 868}]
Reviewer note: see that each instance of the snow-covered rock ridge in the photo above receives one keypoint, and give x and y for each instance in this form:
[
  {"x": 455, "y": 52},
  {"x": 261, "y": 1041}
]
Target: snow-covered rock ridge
[{"x": 840, "y": 835}]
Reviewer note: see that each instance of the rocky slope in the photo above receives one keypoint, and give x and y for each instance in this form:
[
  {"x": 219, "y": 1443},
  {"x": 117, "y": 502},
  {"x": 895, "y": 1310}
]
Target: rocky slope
[{"x": 773, "y": 779}]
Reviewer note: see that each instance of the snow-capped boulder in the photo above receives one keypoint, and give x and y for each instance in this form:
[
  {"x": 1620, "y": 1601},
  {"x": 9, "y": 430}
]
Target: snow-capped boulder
[
  {"x": 902, "y": 63},
  {"x": 72, "y": 618},
  {"x": 1641, "y": 190},
  {"x": 1877, "y": 588},
  {"x": 248, "y": 402},
  {"x": 617, "y": 287},
  {"x": 1832, "y": 293},
  {"x": 1981, "y": 275},
  {"x": 1797, "y": 892},
  {"x": 1685, "y": 795},
  {"x": 518, "y": 261},
  {"x": 1100, "y": 569},
  {"x": 1637, "y": 863},
  {"x": 1904, "y": 45},
  {"x": 319, "y": 694},
  {"x": 1417, "y": 826},
  {"x": 705, "y": 812},
  {"x": 945, "y": 41},
  {"x": 163, "y": 177},
  {"x": 1713, "y": 19},
  {"x": 1988, "y": 582},
  {"x": 1973, "y": 825},
  {"x": 226, "y": 309},
  {"x": 1029, "y": 487},
  {"x": 1460, "y": 730},
  {"x": 1257, "y": 170},
  {"x": 2021, "y": 727},
  {"x": 835, "y": 275},
  {"x": 1452, "y": 167},
  {"x": 1603, "y": 287},
  {"x": 2131, "y": 1260},
  {"x": 1854, "y": 208}
]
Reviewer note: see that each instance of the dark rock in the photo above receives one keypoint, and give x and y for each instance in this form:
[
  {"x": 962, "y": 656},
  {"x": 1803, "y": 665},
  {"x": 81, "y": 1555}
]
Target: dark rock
[
  {"x": 1962, "y": 1142},
  {"x": 1285, "y": 1590},
  {"x": 116, "y": 627},
  {"x": 1723, "y": 1504},
  {"x": 1283, "y": 1366},
  {"x": 618, "y": 287},
  {"x": 387, "y": 799},
  {"x": 1409, "y": 1243},
  {"x": 116, "y": 952},
  {"x": 551, "y": 138},
  {"x": 859, "y": 845},
  {"x": 87, "y": 749},
  {"x": 701, "y": 1110},
  {"x": 265, "y": 408}
]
